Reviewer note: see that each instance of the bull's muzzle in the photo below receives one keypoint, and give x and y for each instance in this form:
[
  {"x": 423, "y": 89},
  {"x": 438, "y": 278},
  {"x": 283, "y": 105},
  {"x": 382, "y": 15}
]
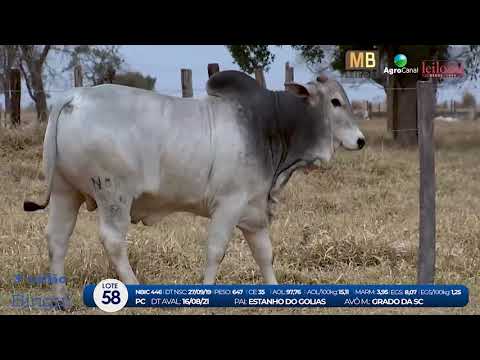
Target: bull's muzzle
[{"x": 360, "y": 143}]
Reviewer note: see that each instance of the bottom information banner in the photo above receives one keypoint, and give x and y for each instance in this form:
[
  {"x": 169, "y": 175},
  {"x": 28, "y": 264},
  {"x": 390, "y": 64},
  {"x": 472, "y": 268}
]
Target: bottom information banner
[{"x": 110, "y": 295}]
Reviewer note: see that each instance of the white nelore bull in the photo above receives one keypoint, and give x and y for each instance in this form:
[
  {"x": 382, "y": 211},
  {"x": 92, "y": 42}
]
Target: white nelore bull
[{"x": 139, "y": 156}]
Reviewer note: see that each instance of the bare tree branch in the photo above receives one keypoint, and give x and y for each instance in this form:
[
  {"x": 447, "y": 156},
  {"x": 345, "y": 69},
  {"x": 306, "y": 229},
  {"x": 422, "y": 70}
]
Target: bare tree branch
[
  {"x": 44, "y": 54},
  {"x": 27, "y": 81}
]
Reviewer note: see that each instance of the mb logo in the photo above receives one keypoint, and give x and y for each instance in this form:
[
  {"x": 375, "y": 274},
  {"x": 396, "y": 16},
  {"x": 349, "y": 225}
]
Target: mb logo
[{"x": 361, "y": 60}]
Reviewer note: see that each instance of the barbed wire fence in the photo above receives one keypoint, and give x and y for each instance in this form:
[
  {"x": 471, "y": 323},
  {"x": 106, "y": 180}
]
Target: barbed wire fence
[{"x": 372, "y": 109}]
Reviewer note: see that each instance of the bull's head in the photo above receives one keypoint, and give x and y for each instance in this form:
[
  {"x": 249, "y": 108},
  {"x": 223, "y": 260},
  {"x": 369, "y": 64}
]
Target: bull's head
[{"x": 328, "y": 100}]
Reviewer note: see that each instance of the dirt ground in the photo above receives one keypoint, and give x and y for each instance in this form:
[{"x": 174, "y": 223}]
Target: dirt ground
[{"x": 354, "y": 221}]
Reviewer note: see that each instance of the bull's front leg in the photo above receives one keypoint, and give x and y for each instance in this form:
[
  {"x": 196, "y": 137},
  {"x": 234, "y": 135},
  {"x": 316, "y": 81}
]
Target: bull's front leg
[
  {"x": 224, "y": 220},
  {"x": 261, "y": 247}
]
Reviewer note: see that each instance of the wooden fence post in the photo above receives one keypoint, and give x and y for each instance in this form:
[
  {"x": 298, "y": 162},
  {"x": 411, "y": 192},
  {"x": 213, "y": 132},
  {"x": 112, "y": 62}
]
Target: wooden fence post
[
  {"x": 426, "y": 250},
  {"x": 212, "y": 69},
  {"x": 389, "y": 102},
  {"x": 187, "y": 89},
  {"x": 260, "y": 77},
  {"x": 288, "y": 74},
  {"x": 15, "y": 84},
  {"x": 109, "y": 75},
  {"x": 471, "y": 115},
  {"x": 77, "y": 76}
]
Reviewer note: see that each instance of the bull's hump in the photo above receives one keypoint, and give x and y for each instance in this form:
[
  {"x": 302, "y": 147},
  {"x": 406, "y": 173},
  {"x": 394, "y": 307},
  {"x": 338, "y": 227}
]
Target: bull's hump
[{"x": 232, "y": 83}]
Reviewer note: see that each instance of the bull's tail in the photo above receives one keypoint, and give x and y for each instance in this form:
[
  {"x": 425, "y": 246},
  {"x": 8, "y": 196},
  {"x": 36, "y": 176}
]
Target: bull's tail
[{"x": 49, "y": 155}]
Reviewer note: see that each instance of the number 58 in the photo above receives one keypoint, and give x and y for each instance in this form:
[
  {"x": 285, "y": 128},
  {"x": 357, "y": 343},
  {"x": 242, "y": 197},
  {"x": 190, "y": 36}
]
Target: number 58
[{"x": 114, "y": 299}]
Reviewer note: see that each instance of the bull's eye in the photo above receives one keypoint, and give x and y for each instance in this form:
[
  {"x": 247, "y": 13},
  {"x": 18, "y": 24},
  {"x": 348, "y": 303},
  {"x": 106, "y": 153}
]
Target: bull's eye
[{"x": 336, "y": 102}]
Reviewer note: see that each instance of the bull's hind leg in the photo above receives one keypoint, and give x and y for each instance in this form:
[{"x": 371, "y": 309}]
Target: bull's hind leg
[
  {"x": 261, "y": 247},
  {"x": 64, "y": 205},
  {"x": 114, "y": 217}
]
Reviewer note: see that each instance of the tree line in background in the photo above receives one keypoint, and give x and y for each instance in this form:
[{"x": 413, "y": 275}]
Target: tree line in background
[{"x": 37, "y": 64}]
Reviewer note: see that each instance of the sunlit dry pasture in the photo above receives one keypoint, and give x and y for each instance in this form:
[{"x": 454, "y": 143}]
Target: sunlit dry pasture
[{"x": 354, "y": 221}]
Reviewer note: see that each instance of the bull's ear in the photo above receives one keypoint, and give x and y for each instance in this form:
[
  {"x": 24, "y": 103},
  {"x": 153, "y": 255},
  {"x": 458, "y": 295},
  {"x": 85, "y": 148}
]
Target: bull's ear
[{"x": 298, "y": 89}]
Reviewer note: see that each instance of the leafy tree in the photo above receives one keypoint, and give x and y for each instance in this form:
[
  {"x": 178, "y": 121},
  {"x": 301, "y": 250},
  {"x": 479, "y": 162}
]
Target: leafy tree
[
  {"x": 97, "y": 61},
  {"x": 312, "y": 54},
  {"x": 135, "y": 79},
  {"x": 250, "y": 57},
  {"x": 471, "y": 59}
]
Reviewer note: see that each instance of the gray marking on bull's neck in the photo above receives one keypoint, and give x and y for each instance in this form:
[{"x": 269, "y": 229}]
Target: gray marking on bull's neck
[{"x": 297, "y": 131}]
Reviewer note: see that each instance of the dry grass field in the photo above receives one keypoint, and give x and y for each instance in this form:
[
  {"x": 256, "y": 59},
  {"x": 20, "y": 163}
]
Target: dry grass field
[{"x": 353, "y": 221}]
